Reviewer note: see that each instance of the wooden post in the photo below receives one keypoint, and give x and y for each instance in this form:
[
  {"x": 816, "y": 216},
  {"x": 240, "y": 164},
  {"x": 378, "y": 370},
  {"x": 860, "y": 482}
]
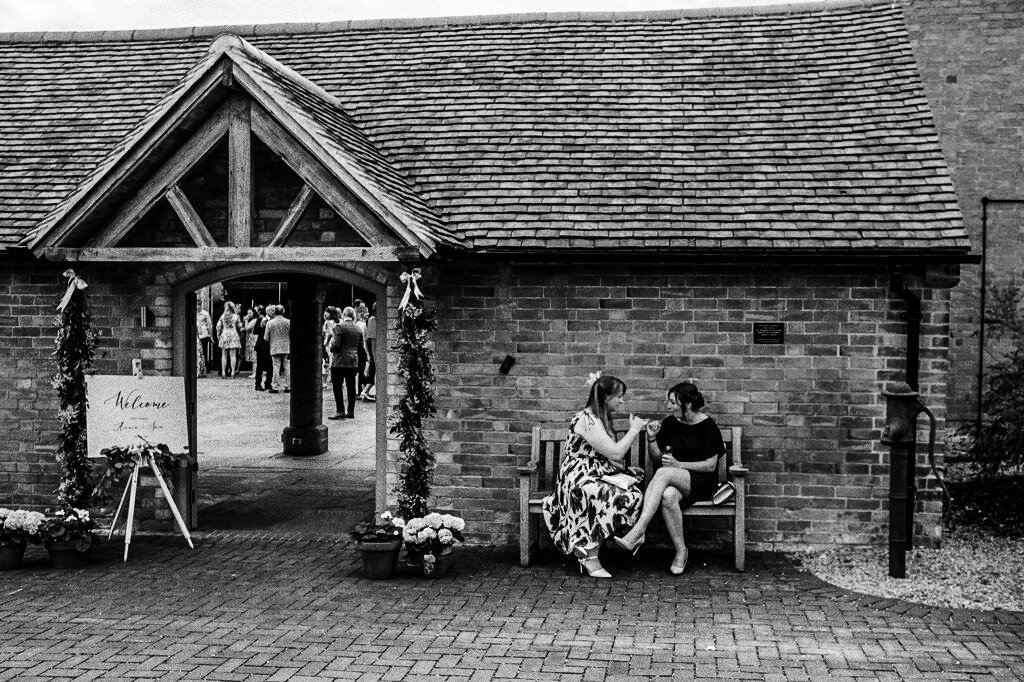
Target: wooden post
[{"x": 239, "y": 174}]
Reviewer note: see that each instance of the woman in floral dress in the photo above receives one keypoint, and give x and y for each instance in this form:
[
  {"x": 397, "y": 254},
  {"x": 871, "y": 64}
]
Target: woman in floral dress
[{"x": 585, "y": 510}]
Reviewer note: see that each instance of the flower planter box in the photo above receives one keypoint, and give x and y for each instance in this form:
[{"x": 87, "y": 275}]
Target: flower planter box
[
  {"x": 11, "y": 555},
  {"x": 380, "y": 559},
  {"x": 66, "y": 554}
]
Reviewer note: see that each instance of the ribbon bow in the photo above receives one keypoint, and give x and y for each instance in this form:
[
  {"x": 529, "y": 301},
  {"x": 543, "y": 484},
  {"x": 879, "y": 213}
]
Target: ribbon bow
[
  {"x": 411, "y": 286},
  {"x": 74, "y": 283}
]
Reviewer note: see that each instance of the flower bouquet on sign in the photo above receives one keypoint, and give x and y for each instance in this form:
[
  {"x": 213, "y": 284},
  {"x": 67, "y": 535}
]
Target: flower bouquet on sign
[
  {"x": 379, "y": 542},
  {"x": 429, "y": 540},
  {"x": 17, "y": 529}
]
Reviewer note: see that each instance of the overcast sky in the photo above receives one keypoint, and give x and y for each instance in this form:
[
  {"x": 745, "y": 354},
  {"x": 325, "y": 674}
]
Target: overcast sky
[{"x": 92, "y": 15}]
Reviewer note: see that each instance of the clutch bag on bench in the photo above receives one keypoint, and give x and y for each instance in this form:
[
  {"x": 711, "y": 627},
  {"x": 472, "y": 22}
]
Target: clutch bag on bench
[{"x": 724, "y": 493}]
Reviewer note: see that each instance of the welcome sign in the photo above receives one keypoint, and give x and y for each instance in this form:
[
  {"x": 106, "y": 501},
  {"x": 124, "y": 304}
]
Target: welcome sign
[{"x": 123, "y": 408}]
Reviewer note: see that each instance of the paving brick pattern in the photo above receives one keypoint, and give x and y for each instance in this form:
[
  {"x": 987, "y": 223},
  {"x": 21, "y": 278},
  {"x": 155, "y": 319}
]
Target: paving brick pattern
[{"x": 246, "y": 606}]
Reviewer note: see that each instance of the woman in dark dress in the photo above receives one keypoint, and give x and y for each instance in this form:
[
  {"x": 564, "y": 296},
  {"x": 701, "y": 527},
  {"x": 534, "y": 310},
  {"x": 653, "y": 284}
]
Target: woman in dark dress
[{"x": 687, "y": 444}]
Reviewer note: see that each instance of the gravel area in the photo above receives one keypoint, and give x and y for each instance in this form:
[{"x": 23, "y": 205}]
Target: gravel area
[{"x": 970, "y": 571}]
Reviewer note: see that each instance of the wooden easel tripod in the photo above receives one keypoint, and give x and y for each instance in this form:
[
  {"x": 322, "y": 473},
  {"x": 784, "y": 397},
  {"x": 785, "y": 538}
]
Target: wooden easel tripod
[{"x": 130, "y": 490}]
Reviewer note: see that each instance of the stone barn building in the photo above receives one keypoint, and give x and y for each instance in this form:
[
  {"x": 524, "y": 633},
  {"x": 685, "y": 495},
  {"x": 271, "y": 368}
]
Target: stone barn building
[{"x": 634, "y": 193}]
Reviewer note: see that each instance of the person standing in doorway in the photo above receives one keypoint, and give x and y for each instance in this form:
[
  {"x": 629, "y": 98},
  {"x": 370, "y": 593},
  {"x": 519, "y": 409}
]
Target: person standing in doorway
[
  {"x": 204, "y": 326},
  {"x": 263, "y": 371},
  {"x": 346, "y": 339},
  {"x": 369, "y": 391},
  {"x": 278, "y": 335},
  {"x": 228, "y": 327}
]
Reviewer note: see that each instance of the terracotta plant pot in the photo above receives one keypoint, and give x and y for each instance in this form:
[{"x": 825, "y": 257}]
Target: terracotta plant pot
[
  {"x": 380, "y": 559},
  {"x": 66, "y": 554},
  {"x": 11, "y": 555}
]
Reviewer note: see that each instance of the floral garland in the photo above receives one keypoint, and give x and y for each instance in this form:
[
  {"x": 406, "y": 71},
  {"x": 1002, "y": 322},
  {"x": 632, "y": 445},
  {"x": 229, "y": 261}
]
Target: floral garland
[
  {"x": 122, "y": 461},
  {"x": 415, "y": 325},
  {"x": 75, "y": 348}
]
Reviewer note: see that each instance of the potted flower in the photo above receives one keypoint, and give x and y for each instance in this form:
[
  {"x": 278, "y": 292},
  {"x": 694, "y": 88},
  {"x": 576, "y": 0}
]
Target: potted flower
[
  {"x": 17, "y": 528},
  {"x": 429, "y": 540},
  {"x": 379, "y": 541},
  {"x": 67, "y": 536}
]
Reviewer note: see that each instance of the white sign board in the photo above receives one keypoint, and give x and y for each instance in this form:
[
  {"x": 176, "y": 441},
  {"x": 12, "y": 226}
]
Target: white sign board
[{"x": 122, "y": 408}]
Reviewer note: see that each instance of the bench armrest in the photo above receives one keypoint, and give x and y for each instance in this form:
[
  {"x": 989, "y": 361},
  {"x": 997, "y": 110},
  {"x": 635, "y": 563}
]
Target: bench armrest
[
  {"x": 738, "y": 471},
  {"x": 527, "y": 470}
]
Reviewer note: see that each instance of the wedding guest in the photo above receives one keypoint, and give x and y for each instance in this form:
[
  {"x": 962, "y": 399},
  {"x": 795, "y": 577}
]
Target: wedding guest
[
  {"x": 228, "y": 328},
  {"x": 264, "y": 371},
  {"x": 687, "y": 444},
  {"x": 584, "y": 509},
  {"x": 346, "y": 338},
  {"x": 249, "y": 344},
  {"x": 369, "y": 343},
  {"x": 204, "y": 326},
  {"x": 278, "y": 336}
]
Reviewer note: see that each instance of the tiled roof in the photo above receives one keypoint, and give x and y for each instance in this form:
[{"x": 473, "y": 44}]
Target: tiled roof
[
  {"x": 316, "y": 113},
  {"x": 797, "y": 128}
]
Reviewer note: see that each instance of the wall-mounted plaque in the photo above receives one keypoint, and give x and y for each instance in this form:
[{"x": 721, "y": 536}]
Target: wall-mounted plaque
[{"x": 769, "y": 332}]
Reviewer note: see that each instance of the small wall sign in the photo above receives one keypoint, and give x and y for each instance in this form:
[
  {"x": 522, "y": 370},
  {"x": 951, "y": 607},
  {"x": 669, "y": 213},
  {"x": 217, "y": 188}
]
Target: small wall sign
[
  {"x": 769, "y": 332},
  {"x": 122, "y": 408}
]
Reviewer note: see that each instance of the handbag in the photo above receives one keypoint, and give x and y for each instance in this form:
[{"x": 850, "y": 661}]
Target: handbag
[{"x": 725, "y": 492}]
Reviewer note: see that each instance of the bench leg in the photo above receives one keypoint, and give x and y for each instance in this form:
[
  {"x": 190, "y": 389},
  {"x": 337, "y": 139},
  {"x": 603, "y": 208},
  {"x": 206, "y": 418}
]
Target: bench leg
[
  {"x": 740, "y": 539},
  {"x": 524, "y": 538}
]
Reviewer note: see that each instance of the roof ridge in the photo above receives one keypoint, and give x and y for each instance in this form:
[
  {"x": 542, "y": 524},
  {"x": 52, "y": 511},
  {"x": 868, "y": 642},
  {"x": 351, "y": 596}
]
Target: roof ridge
[{"x": 399, "y": 23}]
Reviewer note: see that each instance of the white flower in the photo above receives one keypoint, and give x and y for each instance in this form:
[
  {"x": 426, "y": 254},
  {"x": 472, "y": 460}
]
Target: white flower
[
  {"x": 426, "y": 534},
  {"x": 445, "y": 536},
  {"x": 398, "y": 522},
  {"x": 385, "y": 516},
  {"x": 409, "y": 535},
  {"x": 415, "y": 524},
  {"x": 457, "y": 524},
  {"x": 434, "y": 520}
]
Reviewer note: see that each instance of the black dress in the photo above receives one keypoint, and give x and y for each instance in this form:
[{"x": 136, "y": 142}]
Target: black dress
[{"x": 693, "y": 443}]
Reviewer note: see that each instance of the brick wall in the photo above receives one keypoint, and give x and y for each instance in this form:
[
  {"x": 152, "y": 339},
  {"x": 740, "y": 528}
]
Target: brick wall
[
  {"x": 810, "y": 409},
  {"x": 970, "y": 57},
  {"x": 28, "y": 327}
]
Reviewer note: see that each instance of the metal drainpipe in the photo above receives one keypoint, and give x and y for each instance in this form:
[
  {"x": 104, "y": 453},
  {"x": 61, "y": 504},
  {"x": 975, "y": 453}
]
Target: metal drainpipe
[{"x": 913, "y": 317}]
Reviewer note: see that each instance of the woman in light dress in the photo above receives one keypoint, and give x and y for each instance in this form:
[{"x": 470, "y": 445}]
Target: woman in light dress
[
  {"x": 585, "y": 510},
  {"x": 228, "y": 328}
]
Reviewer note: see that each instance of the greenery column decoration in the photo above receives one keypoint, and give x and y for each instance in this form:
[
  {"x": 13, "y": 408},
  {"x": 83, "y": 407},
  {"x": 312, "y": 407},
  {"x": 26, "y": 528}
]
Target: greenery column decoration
[
  {"x": 415, "y": 324},
  {"x": 75, "y": 347}
]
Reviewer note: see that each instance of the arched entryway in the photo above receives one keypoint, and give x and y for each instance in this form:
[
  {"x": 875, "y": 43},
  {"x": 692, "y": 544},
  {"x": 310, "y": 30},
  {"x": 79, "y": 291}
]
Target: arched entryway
[{"x": 306, "y": 276}]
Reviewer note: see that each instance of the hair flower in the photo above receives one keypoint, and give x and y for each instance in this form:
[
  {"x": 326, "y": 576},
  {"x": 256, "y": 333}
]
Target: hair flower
[{"x": 593, "y": 377}]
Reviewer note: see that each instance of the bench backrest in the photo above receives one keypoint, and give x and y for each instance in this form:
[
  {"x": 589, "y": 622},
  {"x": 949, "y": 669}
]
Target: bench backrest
[{"x": 549, "y": 440}]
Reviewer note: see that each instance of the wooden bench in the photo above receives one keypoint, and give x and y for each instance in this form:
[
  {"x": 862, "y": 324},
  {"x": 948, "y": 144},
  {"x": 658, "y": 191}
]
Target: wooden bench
[{"x": 537, "y": 480}]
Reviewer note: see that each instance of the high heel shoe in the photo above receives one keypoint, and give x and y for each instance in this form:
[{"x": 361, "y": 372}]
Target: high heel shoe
[
  {"x": 677, "y": 569},
  {"x": 598, "y": 572},
  {"x": 630, "y": 547}
]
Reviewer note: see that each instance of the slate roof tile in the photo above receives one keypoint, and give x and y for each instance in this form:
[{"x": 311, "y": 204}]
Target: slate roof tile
[{"x": 688, "y": 128}]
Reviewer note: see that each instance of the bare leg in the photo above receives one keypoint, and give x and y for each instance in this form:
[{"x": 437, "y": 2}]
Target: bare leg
[
  {"x": 235, "y": 361},
  {"x": 664, "y": 478},
  {"x": 224, "y": 362},
  {"x": 673, "y": 515}
]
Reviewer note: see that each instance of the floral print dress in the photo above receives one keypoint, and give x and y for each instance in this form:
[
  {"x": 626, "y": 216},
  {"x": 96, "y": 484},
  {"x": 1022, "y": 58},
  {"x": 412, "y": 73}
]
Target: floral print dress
[{"x": 584, "y": 511}]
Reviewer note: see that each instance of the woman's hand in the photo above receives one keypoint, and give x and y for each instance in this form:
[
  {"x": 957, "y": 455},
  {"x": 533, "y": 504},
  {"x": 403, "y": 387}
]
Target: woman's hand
[
  {"x": 652, "y": 428},
  {"x": 637, "y": 423}
]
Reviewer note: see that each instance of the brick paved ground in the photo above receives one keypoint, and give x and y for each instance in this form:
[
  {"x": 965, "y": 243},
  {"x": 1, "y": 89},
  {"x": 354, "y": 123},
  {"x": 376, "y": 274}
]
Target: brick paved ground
[{"x": 245, "y": 606}]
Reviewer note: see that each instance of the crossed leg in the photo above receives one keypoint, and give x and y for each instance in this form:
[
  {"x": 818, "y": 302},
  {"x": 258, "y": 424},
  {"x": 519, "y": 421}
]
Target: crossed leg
[{"x": 665, "y": 479}]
